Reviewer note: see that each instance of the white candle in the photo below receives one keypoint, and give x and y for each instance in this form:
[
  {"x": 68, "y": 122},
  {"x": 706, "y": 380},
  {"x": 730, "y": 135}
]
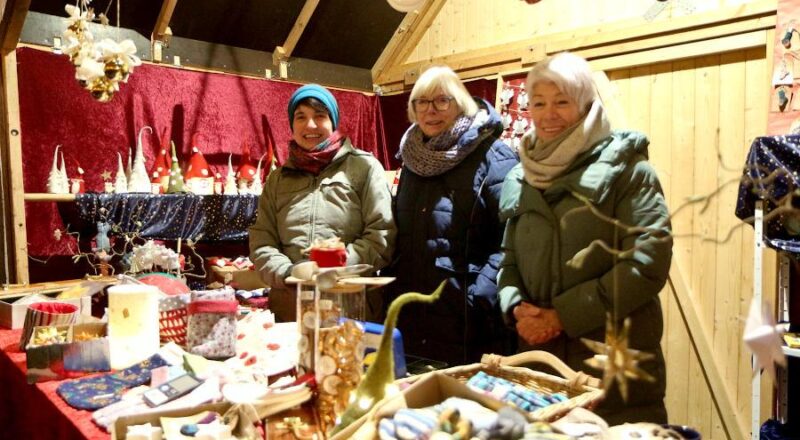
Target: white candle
[{"x": 132, "y": 324}]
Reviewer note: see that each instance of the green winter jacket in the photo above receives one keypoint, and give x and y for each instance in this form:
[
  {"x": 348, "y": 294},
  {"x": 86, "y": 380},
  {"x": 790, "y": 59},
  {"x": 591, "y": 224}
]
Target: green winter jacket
[
  {"x": 549, "y": 259},
  {"x": 349, "y": 199}
]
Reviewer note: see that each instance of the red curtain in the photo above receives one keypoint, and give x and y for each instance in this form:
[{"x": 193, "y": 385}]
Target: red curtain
[{"x": 225, "y": 111}]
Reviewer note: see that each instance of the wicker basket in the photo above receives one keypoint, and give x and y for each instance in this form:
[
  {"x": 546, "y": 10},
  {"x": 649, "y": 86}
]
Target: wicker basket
[{"x": 582, "y": 389}]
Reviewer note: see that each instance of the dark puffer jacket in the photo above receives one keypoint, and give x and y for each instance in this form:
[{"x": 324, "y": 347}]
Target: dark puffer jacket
[{"x": 448, "y": 228}]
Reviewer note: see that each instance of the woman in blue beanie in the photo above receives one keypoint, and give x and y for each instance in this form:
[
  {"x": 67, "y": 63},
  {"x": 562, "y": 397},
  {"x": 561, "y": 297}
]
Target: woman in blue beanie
[
  {"x": 326, "y": 189},
  {"x": 447, "y": 221}
]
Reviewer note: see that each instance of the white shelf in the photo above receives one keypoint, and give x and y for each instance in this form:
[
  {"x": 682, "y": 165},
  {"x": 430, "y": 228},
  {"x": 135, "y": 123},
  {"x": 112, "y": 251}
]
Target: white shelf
[{"x": 793, "y": 352}]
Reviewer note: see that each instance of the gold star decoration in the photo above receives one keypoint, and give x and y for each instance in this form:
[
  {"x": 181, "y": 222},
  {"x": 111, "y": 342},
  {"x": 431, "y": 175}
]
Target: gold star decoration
[
  {"x": 106, "y": 175},
  {"x": 617, "y": 361},
  {"x": 57, "y": 234}
]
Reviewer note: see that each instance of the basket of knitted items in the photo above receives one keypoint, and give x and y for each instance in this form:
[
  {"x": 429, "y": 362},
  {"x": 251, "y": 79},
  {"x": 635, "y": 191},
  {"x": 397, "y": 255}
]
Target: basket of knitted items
[{"x": 544, "y": 397}]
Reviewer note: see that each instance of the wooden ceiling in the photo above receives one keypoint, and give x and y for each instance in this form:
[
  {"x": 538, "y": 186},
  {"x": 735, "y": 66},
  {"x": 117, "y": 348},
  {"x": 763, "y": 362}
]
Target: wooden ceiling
[{"x": 343, "y": 32}]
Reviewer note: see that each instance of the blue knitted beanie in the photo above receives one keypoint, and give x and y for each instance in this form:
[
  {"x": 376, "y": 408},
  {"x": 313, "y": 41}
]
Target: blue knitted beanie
[{"x": 318, "y": 92}]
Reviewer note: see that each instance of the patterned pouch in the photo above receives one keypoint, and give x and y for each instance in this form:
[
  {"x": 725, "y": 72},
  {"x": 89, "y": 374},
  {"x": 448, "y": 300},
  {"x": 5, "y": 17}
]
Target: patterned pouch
[
  {"x": 172, "y": 319},
  {"x": 212, "y": 323}
]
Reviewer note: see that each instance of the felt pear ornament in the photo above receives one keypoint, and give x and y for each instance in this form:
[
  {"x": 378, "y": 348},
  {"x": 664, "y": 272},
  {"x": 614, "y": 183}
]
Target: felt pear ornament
[
  {"x": 381, "y": 373},
  {"x": 175, "y": 174}
]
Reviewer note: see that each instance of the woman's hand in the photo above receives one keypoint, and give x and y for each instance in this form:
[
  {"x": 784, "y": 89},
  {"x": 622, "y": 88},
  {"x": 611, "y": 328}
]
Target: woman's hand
[{"x": 536, "y": 325}]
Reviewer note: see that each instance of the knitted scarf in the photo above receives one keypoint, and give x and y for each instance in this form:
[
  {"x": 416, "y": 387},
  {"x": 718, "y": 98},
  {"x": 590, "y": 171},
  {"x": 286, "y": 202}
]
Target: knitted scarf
[
  {"x": 314, "y": 161},
  {"x": 441, "y": 153},
  {"x": 543, "y": 162}
]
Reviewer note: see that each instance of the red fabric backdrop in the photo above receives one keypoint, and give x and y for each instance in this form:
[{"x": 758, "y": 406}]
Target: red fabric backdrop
[{"x": 224, "y": 110}]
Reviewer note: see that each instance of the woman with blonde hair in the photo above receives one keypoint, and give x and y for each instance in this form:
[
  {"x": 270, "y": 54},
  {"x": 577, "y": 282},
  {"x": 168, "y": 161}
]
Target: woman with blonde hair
[
  {"x": 446, "y": 211},
  {"x": 580, "y": 183}
]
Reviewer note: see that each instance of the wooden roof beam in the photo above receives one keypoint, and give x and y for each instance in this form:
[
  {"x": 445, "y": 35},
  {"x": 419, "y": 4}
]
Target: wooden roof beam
[
  {"x": 161, "y": 28},
  {"x": 406, "y": 38},
  {"x": 282, "y": 53}
]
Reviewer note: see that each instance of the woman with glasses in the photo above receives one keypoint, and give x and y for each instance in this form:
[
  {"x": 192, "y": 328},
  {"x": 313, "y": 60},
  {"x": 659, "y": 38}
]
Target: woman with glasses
[
  {"x": 446, "y": 211},
  {"x": 587, "y": 239},
  {"x": 326, "y": 189}
]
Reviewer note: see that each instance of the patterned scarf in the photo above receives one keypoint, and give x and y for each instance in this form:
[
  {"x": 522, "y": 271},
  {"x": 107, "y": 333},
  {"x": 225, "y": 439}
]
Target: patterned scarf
[
  {"x": 543, "y": 162},
  {"x": 316, "y": 160},
  {"x": 442, "y": 152}
]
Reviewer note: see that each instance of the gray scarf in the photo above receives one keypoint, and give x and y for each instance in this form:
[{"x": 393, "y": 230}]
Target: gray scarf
[
  {"x": 543, "y": 162},
  {"x": 443, "y": 152}
]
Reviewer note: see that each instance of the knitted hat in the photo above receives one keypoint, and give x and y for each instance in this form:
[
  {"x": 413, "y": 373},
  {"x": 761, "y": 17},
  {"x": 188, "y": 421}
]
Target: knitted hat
[{"x": 318, "y": 92}]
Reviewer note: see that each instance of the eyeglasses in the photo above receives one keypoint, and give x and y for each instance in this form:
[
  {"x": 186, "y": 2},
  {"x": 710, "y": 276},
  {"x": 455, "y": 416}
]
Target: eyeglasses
[{"x": 440, "y": 103}]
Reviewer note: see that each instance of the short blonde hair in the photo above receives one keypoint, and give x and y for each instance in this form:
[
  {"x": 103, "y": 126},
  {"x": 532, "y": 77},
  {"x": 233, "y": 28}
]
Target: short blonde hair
[
  {"x": 444, "y": 79},
  {"x": 570, "y": 73}
]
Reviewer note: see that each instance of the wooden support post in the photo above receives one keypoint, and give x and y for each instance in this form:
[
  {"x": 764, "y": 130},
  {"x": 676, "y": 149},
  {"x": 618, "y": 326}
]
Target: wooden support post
[
  {"x": 13, "y": 221},
  {"x": 282, "y": 53},
  {"x": 705, "y": 354}
]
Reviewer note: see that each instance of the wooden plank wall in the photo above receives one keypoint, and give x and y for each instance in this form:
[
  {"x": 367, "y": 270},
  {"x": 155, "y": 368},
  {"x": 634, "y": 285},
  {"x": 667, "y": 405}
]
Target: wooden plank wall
[
  {"x": 701, "y": 115},
  {"x": 464, "y": 25}
]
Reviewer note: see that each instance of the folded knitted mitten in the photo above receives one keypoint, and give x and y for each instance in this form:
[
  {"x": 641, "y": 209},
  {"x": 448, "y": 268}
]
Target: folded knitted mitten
[{"x": 99, "y": 391}]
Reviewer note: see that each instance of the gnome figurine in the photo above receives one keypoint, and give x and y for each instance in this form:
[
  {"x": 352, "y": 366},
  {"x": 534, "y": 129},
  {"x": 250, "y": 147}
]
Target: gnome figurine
[
  {"x": 77, "y": 184},
  {"x": 54, "y": 178},
  {"x": 257, "y": 186},
  {"x": 246, "y": 171},
  {"x": 160, "y": 171},
  {"x": 121, "y": 182},
  {"x": 199, "y": 179},
  {"x": 230, "y": 180},
  {"x": 62, "y": 175},
  {"x": 139, "y": 180}
]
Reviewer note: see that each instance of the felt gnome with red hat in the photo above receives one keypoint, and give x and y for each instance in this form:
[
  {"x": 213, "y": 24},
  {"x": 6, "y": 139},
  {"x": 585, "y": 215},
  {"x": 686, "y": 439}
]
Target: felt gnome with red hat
[
  {"x": 160, "y": 171},
  {"x": 199, "y": 179},
  {"x": 246, "y": 171}
]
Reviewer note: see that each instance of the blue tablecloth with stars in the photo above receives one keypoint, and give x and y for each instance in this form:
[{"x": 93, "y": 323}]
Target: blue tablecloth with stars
[
  {"x": 771, "y": 174},
  {"x": 163, "y": 217}
]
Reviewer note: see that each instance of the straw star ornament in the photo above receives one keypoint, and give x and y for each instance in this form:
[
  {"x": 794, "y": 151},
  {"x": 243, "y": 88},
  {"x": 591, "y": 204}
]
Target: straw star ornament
[{"x": 617, "y": 361}]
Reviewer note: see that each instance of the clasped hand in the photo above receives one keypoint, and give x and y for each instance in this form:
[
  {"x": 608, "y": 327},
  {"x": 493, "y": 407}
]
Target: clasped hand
[{"x": 536, "y": 325}]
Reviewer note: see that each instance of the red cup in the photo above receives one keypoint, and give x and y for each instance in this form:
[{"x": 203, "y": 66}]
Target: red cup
[{"x": 329, "y": 257}]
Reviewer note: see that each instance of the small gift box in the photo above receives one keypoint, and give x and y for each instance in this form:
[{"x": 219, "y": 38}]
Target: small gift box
[
  {"x": 59, "y": 352},
  {"x": 211, "y": 329},
  {"x": 46, "y": 314}
]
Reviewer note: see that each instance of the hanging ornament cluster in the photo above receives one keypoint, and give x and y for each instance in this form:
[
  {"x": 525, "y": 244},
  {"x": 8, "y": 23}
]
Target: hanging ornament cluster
[{"x": 99, "y": 66}]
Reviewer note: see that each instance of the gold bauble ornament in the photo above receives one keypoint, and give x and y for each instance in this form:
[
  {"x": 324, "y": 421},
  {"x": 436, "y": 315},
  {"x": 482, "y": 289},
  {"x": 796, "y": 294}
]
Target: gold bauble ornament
[
  {"x": 113, "y": 69},
  {"x": 101, "y": 89}
]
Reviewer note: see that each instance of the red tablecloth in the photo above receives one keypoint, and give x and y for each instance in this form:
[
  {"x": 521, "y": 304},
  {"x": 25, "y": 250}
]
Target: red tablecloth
[{"x": 33, "y": 412}]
